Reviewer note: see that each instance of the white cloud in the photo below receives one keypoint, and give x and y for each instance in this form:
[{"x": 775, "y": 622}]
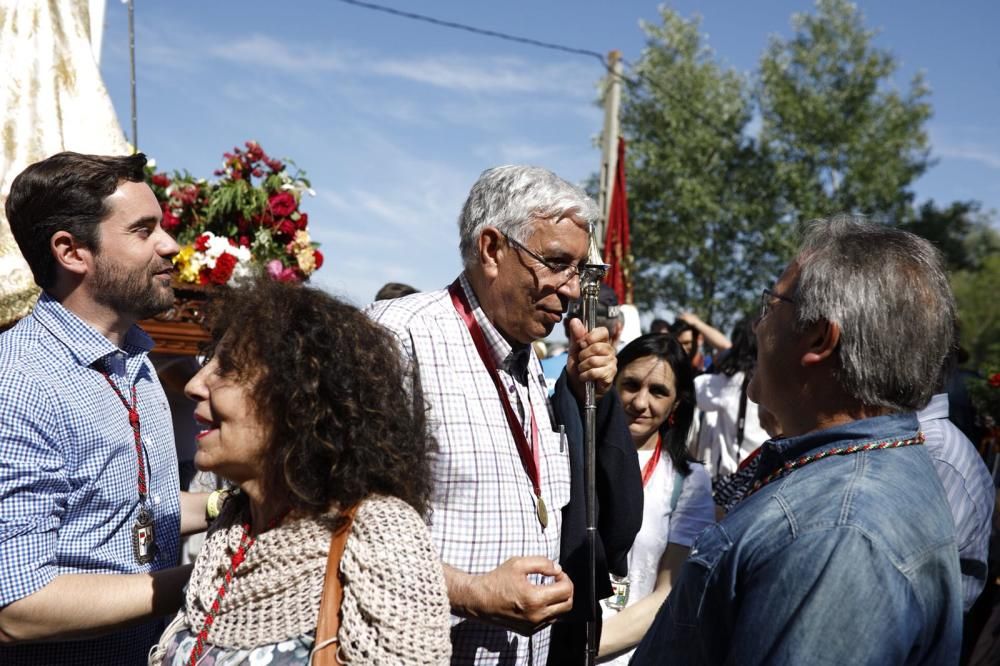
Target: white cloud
[
  {"x": 266, "y": 52},
  {"x": 968, "y": 152}
]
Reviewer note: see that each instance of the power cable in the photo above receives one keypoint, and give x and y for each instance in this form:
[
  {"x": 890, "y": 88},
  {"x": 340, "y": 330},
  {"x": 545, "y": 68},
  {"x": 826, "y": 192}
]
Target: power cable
[{"x": 676, "y": 99}]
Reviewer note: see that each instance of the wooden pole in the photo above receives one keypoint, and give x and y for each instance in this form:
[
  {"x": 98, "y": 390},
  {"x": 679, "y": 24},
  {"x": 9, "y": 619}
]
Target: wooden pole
[{"x": 609, "y": 140}]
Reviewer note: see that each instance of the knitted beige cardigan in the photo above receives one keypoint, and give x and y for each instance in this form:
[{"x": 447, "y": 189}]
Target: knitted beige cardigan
[{"x": 395, "y": 608}]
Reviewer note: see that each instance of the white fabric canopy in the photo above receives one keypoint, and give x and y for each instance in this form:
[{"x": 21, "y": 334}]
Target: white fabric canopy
[{"x": 52, "y": 99}]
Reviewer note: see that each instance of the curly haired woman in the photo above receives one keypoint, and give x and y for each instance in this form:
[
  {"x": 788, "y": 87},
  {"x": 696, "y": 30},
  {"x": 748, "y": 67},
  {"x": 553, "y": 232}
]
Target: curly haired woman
[{"x": 307, "y": 411}]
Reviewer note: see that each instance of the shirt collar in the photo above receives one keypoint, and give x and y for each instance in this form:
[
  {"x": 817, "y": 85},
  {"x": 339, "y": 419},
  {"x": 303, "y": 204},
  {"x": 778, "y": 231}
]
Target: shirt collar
[
  {"x": 937, "y": 408},
  {"x": 81, "y": 339},
  {"x": 777, "y": 452},
  {"x": 512, "y": 360}
]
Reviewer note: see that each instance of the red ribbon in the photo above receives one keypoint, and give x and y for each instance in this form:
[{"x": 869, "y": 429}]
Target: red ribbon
[
  {"x": 528, "y": 453},
  {"x": 650, "y": 466}
]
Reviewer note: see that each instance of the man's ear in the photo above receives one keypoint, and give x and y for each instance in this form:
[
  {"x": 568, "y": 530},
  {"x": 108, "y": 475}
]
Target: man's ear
[
  {"x": 490, "y": 247},
  {"x": 822, "y": 339},
  {"x": 70, "y": 254}
]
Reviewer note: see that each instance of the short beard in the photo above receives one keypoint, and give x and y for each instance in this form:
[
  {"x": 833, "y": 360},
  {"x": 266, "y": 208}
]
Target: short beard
[{"x": 130, "y": 292}]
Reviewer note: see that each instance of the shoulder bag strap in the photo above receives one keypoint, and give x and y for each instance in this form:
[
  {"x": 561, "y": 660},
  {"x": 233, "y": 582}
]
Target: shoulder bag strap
[{"x": 326, "y": 646}]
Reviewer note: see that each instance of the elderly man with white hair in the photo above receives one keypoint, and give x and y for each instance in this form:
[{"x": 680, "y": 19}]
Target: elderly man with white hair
[{"x": 503, "y": 470}]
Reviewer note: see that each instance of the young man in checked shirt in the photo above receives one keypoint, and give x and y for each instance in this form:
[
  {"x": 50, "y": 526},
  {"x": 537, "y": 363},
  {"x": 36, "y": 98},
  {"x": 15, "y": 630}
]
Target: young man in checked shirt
[
  {"x": 91, "y": 515},
  {"x": 503, "y": 473}
]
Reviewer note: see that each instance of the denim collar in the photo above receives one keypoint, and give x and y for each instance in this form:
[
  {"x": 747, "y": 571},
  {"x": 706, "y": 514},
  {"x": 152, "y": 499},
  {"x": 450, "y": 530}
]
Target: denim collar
[{"x": 776, "y": 452}]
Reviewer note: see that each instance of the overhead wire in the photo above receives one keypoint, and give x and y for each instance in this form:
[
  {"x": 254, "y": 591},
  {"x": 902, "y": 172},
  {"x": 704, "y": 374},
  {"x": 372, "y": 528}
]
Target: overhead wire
[{"x": 676, "y": 99}]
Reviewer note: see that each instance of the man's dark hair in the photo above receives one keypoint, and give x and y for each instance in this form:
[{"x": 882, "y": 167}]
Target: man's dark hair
[
  {"x": 65, "y": 192},
  {"x": 391, "y": 290},
  {"x": 679, "y": 326}
]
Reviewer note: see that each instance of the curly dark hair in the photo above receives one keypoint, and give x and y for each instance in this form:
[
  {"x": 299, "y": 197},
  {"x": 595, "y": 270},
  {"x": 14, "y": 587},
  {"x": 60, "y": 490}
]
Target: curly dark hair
[
  {"x": 345, "y": 417},
  {"x": 665, "y": 347}
]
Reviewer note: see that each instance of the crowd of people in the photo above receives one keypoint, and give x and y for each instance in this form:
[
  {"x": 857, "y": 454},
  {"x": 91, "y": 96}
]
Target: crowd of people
[{"x": 405, "y": 483}]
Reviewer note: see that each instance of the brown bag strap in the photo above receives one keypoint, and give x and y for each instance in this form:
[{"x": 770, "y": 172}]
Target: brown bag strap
[{"x": 325, "y": 648}]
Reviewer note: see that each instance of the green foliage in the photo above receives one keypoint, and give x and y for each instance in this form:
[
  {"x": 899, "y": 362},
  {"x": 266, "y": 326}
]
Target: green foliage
[
  {"x": 960, "y": 231},
  {"x": 979, "y": 311},
  {"x": 842, "y": 139},
  {"x": 702, "y": 207}
]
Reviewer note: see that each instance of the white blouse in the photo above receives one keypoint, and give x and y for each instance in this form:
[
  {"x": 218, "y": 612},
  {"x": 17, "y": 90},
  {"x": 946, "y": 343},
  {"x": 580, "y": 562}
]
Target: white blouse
[{"x": 694, "y": 512}]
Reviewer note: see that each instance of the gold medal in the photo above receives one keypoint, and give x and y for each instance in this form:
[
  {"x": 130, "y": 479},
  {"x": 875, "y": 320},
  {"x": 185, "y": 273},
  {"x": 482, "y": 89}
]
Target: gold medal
[{"x": 543, "y": 513}]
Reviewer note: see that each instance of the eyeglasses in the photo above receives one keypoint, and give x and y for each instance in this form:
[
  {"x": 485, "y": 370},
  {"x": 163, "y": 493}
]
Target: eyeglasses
[
  {"x": 767, "y": 299},
  {"x": 565, "y": 271}
]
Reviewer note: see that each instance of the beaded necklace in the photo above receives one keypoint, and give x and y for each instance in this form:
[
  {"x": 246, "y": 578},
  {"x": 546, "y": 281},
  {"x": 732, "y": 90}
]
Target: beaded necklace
[
  {"x": 246, "y": 543},
  {"x": 839, "y": 451}
]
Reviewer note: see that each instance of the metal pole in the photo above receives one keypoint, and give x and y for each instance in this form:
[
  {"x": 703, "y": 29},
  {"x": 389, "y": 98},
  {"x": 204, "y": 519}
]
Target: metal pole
[
  {"x": 131, "y": 59},
  {"x": 590, "y": 284}
]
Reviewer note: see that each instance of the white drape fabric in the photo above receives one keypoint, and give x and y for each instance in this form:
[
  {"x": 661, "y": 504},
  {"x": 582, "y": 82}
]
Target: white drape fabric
[{"x": 52, "y": 99}]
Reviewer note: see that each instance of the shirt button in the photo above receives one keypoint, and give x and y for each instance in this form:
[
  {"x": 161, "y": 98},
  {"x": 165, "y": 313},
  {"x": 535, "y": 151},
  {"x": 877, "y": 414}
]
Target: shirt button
[{"x": 156, "y": 499}]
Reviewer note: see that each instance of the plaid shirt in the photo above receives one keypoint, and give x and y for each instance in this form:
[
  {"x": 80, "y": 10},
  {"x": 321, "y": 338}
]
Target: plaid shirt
[
  {"x": 68, "y": 476},
  {"x": 484, "y": 504}
]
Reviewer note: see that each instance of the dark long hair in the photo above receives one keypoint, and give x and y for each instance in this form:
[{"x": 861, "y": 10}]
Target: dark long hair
[
  {"x": 742, "y": 356},
  {"x": 666, "y": 348},
  {"x": 345, "y": 415}
]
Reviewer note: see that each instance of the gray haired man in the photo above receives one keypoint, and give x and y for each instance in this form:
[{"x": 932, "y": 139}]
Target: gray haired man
[
  {"x": 502, "y": 474},
  {"x": 843, "y": 551}
]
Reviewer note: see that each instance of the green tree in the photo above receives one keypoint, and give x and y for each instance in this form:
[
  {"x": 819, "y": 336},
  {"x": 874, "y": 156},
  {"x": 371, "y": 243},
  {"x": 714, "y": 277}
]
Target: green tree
[
  {"x": 979, "y": 311},
  {"x": 843, "y": 137},
  {"x": 960, "y": 231},
  {"x": 701, "y": 200}
]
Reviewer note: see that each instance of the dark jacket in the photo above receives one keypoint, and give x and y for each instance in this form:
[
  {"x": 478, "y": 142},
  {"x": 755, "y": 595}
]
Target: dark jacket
[{"x": 619, "y": 512}]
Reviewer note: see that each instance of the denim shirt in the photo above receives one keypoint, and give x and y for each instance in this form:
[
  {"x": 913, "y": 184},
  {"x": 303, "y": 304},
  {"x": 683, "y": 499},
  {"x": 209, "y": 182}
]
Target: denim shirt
[{"x": 847, "y": 560}]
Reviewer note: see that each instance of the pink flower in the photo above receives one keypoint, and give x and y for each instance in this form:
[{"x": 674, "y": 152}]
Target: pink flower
[{"x": 274, "y": 268}]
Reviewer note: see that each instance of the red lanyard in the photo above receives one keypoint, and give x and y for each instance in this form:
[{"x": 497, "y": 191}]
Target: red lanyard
[
  {"x": 133, "y": 421},
  {"x": 246, "y": 542},
  {"x": 650, "y": 466},
  {"x": 528, "y": 453}
]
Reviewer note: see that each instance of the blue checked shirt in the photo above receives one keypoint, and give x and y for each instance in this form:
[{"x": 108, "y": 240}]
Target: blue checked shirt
[
  {"x": 969, "y": 487},
  {"x": 484, "y": 504},
  {"x": 68, "y": 470}
]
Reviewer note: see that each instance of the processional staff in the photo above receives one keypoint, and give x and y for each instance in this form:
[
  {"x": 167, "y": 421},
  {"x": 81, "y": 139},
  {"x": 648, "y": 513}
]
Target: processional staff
[{"x": 590, "y": 286}]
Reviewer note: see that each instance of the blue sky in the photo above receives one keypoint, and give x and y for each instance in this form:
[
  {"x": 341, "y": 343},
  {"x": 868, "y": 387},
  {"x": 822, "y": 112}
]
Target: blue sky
[{"x": 393, "y": 120}]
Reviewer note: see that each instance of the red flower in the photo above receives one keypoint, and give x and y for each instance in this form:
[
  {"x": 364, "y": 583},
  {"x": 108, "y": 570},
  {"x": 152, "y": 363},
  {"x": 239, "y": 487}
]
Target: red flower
[
  {"x": 170, "y": 221},
  {"x": 302, "y": 221},
  {"x": 223, "y": 270},
  {"x": 286, "y": 228},
  {"x": 995, "y": 380},
  {"x": 161, "y": 180},
  {"x": 282, "y": 204},
  {"x": 201, "y": 243},
  {"x": 318, "y": 258},
  {"x": 244, "y": 241}
]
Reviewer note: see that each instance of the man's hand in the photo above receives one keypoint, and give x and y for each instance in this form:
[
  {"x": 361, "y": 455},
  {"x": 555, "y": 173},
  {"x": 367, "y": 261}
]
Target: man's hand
[
  {"x": 507, "y": 598},
  {"x": 591, "y": 358}
]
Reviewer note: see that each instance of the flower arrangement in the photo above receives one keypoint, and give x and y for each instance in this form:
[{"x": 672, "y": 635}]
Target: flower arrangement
[{"x": 247, "y": 221}]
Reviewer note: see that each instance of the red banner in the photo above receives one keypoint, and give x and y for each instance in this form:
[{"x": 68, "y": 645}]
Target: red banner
[{"x": 617, "y": 245}]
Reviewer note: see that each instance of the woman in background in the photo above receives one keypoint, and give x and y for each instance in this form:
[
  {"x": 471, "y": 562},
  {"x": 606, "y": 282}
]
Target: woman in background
[
  {"x": 307, "y": 411},
  {"x": 655, "y": 382},
  {"x": 736, "y": 432}
]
